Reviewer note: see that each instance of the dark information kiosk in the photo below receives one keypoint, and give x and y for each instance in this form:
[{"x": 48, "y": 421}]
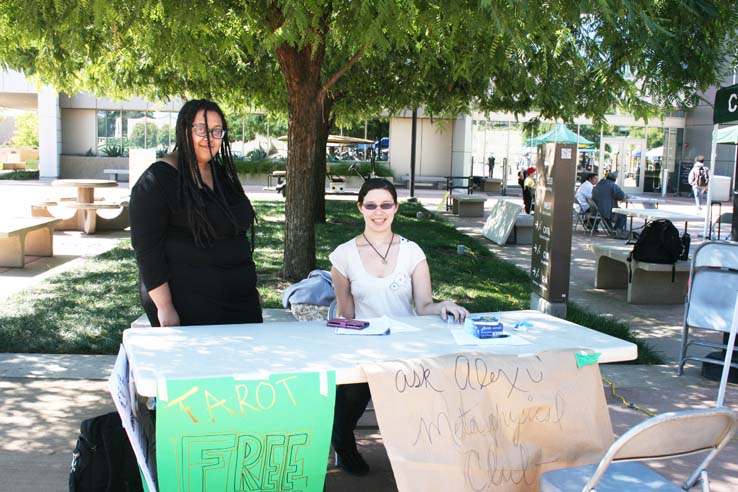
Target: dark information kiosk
[{"x": 551, "y": 255}]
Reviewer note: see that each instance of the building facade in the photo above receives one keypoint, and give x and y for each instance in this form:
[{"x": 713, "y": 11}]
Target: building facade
[{"x": 650, "y": 156}]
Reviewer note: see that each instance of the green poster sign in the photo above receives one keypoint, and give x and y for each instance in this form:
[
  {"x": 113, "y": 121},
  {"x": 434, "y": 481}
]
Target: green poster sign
[
  {"x": 726, "y": 105},
  {"x": 233, "y": 435}
]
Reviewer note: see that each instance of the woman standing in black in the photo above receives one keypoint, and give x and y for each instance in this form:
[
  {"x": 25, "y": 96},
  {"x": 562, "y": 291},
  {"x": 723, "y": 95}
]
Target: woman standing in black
[{"x": 189, "y": 224}]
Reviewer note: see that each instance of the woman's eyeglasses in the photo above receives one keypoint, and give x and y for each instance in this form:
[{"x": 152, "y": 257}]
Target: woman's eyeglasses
[
  {"x": 201, "y": 130},
  {"x": 383, "y": 206}
]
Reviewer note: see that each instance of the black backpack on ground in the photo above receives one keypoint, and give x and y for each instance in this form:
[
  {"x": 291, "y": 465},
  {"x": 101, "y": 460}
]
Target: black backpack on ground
[
  {"x": 103, "y": 460},
  {"x": 659, "y": 242}
]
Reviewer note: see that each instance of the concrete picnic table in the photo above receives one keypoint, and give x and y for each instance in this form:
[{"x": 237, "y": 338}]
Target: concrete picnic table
[
  {"x": 85, "y": 216},
  {"x": 85, "y": 187}
]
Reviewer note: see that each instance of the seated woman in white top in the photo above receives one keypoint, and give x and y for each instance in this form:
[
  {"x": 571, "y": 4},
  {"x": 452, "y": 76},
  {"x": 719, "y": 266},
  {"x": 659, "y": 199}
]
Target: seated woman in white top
[{"x": 375, "y": 274}]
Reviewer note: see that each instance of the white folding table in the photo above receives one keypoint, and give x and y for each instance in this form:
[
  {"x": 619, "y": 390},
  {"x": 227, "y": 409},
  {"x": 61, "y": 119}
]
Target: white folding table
[
  {"x": 254, "y": 350},
  {"x": 649, "y": 214}
]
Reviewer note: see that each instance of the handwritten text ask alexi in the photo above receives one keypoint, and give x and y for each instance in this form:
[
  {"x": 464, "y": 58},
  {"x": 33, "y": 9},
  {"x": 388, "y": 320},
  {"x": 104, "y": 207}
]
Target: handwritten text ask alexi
[{"x": 481, "y": 422}]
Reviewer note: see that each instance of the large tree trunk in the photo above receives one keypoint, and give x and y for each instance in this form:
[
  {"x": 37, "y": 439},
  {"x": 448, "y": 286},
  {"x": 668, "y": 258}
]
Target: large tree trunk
[
  {"x": 307, "y": 141},
  {"x": 321, "y": 168}
]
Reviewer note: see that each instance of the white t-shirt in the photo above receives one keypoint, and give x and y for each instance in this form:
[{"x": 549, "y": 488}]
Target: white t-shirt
[
  {"x": 374, "y": 296},
  {"x": 523, "y": 163},
  {"x": 584, "y": 192}
]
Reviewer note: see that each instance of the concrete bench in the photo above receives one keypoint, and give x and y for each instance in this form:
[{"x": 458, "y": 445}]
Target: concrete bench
[
  {"x": 491, "y": 185},
  {"x": 270, "y": 315},
  {"x": 647, "y": 283},
  {"x": 14, "y": 166},
  {"x": 437, "y": 182},
  {"x": 522, "y": 231},
  {"x": 116, "y": 172},
  {"x": 20, "y": 236},
  {"x": 85, "y": 216},
  {"x": 468, "y": 205}
]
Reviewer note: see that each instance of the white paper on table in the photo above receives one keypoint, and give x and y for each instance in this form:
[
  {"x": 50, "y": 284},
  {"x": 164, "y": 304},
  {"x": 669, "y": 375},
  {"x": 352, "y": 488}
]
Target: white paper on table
[
  {"x": 464, "y": 338},
  {"x": 377, "y": 326}
]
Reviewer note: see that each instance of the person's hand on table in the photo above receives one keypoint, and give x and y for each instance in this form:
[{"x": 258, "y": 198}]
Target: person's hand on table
[
  {"x": 168, "y": 316},
  {"x": 459, "y": 313}
]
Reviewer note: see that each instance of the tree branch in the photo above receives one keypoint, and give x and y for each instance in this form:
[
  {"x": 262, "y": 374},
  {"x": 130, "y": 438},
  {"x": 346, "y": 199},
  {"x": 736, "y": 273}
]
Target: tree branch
[{"x": 326, "y": 87}]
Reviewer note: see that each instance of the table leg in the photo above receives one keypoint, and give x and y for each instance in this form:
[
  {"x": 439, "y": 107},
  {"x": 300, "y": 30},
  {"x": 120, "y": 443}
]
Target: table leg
[
  {"x": 90, "y": 220},
  {"x": 630, "y": 232},
  {"x": 85, "y": 195},
  {"x": 40, "y": 242},
  {"x": 11, "y": 252}
]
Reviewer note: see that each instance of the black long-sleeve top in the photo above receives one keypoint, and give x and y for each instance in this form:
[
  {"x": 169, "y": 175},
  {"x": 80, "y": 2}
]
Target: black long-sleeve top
[{"x": 211, "y": 284}]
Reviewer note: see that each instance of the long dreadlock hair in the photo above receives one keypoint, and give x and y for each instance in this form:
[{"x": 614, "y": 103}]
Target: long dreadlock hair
[{"x": 190, "y": 180}]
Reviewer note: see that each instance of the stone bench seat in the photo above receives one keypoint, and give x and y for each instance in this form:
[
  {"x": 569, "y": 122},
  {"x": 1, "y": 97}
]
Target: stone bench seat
[
  {"x": 491, "y": 185},
  {"x": 84, "y": 216},
  {"x": 20, "y": 236},
  {"x": 437, "y": 182},
  {"x": 14, "y": 166},
  {"x": 94, "y": 206},
  {"x": 468, "y": 205},
  {"x": 522, "y": 231},
  {"x": 647, "y": 283}
]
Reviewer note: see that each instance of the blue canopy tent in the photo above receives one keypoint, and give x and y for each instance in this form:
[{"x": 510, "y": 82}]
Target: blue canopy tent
[
  {"x": 381, "y": 147},
  {"x": 382, "y": 143},
  {"x": 560, "y": 134}
]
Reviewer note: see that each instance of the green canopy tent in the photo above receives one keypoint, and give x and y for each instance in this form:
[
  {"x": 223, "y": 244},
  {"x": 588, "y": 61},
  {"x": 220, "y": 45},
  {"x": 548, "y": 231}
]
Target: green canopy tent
[{"x": 560, "y": 134}]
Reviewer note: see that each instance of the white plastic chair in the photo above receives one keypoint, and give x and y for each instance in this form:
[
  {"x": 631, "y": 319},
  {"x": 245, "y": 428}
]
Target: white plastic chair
[
  {"x": 713, "y": 282},
  {"x": 669, "y": 435}
]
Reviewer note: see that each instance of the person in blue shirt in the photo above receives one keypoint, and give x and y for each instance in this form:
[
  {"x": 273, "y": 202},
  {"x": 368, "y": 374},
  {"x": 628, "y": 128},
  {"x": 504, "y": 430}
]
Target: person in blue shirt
[{"x": 606, "y": 195}]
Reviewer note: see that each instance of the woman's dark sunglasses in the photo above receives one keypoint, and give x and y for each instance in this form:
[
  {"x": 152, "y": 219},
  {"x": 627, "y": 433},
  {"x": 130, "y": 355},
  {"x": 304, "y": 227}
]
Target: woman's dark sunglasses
[{"x": 383, "y": 206}]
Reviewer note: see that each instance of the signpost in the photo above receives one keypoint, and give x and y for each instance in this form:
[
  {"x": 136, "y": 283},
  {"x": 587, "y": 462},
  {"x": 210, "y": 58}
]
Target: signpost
[{"x": 551, "y": 255}]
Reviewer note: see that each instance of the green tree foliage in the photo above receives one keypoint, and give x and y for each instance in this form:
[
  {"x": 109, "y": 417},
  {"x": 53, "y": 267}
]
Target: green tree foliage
[
  {"x": 26, "y": 130},
  {"x": 144, "y": 135},
  {"x": 654, "y": 136},
  {"x": 166, "y": 136},
  {"x": 323, "y": 62},
  {"x": 246, "y": 126}
]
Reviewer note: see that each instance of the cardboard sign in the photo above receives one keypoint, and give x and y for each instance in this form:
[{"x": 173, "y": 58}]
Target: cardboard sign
[
  {"x": 483, "y": 422},
  {"x": 233, "y": 435},
  {"x": 500, "y": 221}
]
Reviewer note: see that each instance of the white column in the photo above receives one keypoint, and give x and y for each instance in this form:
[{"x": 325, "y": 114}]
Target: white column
[
  {"x": 49, "y": 132},
  {"x": 461, "y": 147}
]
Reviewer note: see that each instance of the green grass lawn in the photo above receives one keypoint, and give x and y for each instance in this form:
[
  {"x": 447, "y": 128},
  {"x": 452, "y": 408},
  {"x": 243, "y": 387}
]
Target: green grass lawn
[{"x": 86, "y": 310}]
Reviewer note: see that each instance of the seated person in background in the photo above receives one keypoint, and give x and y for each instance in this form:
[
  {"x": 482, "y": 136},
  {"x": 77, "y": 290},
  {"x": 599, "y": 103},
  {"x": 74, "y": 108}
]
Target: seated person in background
[
  {"x": 585, "y": 191},
  {"x": 606, "y": 195},
  {"x": 375, "y": 274}
]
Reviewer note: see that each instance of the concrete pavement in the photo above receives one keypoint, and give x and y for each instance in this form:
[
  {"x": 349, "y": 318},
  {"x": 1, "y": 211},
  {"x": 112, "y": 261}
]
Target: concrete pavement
[{"x": 43, "y": 398}]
